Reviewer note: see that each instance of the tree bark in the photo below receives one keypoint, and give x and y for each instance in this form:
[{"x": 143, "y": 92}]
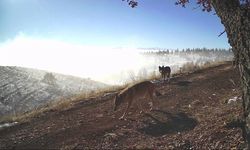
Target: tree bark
[{"x": 236, "y": 19}]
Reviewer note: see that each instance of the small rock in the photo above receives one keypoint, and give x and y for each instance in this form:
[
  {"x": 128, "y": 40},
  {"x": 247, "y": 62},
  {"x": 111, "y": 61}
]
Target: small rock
[
  {"x": 217, "y": 143},
  {"x": 164, "y": 136},
  {"x": 99, "y": 115},
  {"x": 205, "y": 106},
  {"x": 234, "y": 99},
  {"x": 113, "y": 135}
]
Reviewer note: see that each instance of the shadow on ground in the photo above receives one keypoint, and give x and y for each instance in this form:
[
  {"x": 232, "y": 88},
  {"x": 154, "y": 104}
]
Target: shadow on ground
[
  {"x": 184, "y": 83},
  {"x": 161, "y": 123}
]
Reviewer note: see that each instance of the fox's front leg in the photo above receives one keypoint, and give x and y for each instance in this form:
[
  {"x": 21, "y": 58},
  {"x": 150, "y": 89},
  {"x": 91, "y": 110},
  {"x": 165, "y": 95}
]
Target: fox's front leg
[{"x": 122, "y": 117}]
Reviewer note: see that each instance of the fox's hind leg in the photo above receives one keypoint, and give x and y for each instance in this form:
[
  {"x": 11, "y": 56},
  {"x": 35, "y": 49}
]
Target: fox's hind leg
[
  {"x": 151, "y": 96},
  {"x": 140, "y": 107},
  {"x": 153, "y": 101},
  {"x": 128, "y": 106}
]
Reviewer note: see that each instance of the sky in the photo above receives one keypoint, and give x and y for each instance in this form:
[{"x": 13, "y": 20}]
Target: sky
[
  {"x": 100, "y": 39},
  {"x": 111, "y": 23}
]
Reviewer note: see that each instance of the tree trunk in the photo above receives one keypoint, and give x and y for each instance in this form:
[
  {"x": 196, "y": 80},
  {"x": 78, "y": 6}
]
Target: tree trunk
[{"x": 236, "y": 19}]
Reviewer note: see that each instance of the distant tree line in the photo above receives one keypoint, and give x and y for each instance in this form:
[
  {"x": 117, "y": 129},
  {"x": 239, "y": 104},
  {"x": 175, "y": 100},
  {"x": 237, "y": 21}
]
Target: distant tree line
[
  {"x": 162, "y": 51},
  {"x": 195, "y": 55}
]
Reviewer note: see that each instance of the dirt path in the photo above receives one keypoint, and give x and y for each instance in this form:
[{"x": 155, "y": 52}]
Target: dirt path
[{"x": 193, "y": 113}]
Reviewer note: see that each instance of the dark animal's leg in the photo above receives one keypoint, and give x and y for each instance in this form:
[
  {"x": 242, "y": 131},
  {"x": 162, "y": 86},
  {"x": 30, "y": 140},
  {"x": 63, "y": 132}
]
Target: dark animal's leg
[
  {"x": 164, "y": 76},
  {"x": 169, "y": 77}
]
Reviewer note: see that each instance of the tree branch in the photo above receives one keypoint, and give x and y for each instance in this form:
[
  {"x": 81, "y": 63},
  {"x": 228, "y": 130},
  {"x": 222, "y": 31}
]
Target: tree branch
[{"x": 221, "y": 33}]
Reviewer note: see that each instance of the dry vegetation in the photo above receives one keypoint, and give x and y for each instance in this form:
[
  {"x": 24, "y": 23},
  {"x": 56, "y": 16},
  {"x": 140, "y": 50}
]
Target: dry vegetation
[
  {"x": 63, "y": 104},
  {"x": 192, "y": 67}
]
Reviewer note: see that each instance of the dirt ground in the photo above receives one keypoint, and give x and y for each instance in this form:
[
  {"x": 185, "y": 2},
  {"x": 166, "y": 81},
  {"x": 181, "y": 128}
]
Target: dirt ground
[{"x": 194, "y": 113}]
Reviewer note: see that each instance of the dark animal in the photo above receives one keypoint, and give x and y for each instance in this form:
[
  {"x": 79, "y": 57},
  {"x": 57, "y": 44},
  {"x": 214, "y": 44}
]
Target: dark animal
[{"x": 165, "y": 72}]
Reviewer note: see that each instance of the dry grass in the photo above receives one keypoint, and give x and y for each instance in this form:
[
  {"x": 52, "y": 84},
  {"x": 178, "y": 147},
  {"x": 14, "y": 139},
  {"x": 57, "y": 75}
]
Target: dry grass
[
  {"x": 192, "y": 67},
  {"x": 58, "y": 105},
  {"x": 63, "y": 104}
]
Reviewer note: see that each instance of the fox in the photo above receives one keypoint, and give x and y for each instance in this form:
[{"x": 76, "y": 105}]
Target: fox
[
  {"x": 142, "y": 90},
  {"x": 165, "y": 72}
]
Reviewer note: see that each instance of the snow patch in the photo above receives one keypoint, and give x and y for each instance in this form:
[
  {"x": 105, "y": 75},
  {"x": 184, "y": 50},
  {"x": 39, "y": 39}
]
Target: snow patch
[
  {"x": 5, "y": 125},
  {"x": 231, "y": 100}
]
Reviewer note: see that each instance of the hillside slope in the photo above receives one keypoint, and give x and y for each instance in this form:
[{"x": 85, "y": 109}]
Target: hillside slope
[
  {"x": 23, "y": 89},
  {"x": 196, "y": 110}
]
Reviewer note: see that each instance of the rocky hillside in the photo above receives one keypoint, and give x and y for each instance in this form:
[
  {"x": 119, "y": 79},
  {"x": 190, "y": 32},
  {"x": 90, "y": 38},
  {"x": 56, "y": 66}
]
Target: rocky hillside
[
  {"x": 199, "y": 110},
  {"x": 23, "y": 89}
]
